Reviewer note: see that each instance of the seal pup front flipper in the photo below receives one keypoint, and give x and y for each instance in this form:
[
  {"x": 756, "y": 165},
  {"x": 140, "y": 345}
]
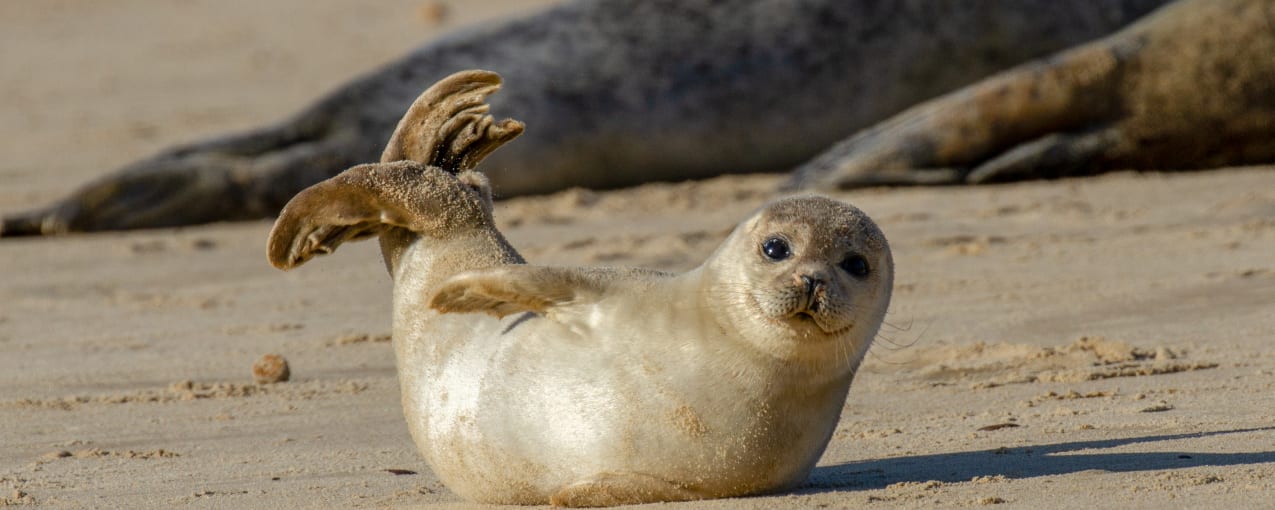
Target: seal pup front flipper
[
  {"x": 511, "y": 289},
  {"x": 423, "y": 185}
]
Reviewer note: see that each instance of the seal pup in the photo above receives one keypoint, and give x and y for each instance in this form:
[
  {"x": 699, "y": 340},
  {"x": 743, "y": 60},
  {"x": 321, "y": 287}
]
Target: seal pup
[
  {"x": 528, "y": 384},
  {"x": 621, "y": 91},
  {"x": 1190, "y": 86}
]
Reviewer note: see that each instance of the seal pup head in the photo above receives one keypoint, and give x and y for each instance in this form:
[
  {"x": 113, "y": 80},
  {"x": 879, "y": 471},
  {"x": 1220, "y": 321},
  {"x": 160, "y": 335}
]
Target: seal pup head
[{"x": 808, "y": 278}]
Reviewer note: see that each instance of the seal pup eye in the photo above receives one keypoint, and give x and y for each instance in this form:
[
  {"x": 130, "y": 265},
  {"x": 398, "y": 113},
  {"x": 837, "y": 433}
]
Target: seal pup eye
[
  {"x": 776, "y": 249},
  {"x": 855, "y": 264}
]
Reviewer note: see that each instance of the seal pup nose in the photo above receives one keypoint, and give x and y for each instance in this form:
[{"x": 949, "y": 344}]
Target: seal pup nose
[{"x": 812, "y": 287}]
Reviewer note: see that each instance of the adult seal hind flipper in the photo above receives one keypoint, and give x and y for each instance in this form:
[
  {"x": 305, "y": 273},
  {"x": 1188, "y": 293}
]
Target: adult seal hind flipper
[
  {"x": 1190, "y": 86},
  {"x": 622, "y": 92},
  {"x": 571, "y": 386}
]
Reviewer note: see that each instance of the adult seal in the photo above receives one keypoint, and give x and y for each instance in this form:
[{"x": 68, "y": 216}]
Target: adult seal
[
  {"x": 596, "y": 387},
  {"x": 1190, "y": 86},
  {"x": 620, "y": 91}
]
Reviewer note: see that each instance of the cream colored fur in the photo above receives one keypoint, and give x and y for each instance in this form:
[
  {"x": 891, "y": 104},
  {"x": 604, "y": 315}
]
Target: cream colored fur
[{"x": 596, "y": 387}]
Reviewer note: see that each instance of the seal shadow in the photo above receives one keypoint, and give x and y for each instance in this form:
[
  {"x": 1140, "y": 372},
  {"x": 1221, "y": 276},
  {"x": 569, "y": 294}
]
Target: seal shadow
[{"x": 1025, "y": 462}]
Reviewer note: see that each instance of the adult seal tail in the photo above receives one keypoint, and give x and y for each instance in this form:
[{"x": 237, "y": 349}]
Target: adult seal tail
[
  {"x": 622, "y": 92},
  {"x": 526, "y": 384}
]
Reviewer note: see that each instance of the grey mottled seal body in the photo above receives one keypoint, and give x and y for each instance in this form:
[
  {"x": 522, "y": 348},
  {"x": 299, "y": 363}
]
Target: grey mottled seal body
[
  {"x": 597, "y": 387},
  {"x": 1189, "y": 86},
  {"x": 621, "y": 92}
]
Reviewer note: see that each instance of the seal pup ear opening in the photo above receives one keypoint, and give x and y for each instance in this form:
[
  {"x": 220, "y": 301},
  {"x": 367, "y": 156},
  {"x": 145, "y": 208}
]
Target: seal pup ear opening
[{"x": 423, "y": 183}]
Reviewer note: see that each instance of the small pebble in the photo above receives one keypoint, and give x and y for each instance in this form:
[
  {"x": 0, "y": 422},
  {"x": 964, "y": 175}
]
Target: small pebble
[{"x": 271, "y": 368}]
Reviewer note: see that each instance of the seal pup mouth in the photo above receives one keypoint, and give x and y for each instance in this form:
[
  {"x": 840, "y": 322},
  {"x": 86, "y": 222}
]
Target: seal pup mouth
[
  {"x": 804, "y": 310},
  {"x": 806, "y": 315},
  {"x": 809, "y": 305},
  {"x": 809, "y": 318}
]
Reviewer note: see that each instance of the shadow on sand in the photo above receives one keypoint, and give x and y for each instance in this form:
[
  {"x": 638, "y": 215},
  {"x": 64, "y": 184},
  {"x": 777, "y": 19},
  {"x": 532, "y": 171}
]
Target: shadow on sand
[{"x": 1027, "y": 462}]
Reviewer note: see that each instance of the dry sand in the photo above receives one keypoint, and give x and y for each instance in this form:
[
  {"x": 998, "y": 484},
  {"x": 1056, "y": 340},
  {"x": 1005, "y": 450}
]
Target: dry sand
[{"x": 1076, "y": 344}]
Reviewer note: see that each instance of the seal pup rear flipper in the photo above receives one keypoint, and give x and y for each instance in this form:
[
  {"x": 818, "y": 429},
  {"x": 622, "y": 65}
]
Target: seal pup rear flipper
[
  {"x": 511, "y": 289},
  {"x": 368, "y": 200},
  {"x": 423, "y": 184}
]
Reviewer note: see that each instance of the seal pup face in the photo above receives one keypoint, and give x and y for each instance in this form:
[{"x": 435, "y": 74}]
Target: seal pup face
[{"x": 806, "y": 271}]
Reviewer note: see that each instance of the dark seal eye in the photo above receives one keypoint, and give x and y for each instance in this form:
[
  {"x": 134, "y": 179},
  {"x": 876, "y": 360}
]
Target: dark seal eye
[
  {"x": 776, "y": 249},
  {"x": 855, "y": 264}
]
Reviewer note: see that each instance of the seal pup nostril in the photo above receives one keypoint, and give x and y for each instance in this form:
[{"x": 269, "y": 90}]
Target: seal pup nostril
[{"x": 814, "y": 288}]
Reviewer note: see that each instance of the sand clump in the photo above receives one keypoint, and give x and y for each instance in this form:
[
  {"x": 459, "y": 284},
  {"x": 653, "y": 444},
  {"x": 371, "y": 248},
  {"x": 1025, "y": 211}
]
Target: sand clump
[{"x": 270, "y": 369}]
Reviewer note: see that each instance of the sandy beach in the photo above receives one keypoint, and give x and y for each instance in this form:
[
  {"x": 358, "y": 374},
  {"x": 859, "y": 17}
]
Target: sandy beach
[{"x": 1082, "y": 343}]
